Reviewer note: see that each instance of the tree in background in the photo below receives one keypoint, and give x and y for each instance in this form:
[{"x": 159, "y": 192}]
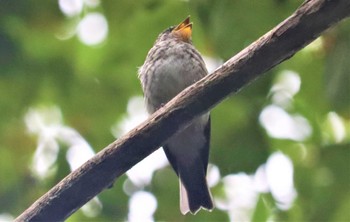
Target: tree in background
[{"x": 280, "y": 148}]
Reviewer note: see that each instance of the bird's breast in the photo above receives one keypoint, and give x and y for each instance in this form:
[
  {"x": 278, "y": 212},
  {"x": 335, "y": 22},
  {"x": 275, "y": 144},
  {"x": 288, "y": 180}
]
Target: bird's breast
[{"x": 169, "y": 68}]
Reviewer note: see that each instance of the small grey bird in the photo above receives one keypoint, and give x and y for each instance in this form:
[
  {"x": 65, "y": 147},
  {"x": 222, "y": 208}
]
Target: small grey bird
[{"x": 171, "y": 65}]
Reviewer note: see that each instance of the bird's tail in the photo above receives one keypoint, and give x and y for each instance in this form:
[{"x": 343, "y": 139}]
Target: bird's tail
[{"x": 197, "y": 196}]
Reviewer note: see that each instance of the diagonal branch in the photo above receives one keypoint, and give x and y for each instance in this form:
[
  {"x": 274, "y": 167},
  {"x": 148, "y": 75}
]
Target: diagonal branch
[{"x": 307, "y": 23}]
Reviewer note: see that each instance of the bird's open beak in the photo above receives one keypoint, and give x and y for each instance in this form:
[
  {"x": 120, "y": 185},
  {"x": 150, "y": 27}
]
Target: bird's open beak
[{"x": 184, "y": 29}]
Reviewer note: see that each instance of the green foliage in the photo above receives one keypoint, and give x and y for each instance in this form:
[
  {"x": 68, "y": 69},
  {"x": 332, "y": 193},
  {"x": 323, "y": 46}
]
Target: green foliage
[{"x": 43, "y": 64}]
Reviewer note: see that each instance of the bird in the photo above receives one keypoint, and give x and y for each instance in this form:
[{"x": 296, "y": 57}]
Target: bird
[{"x": 171, "y": 65}]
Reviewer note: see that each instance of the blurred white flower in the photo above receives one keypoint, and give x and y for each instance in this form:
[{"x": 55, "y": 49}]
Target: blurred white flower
[
  {"x": 213, "y": 175},
  {"x": 280, "y": 124},
  {"x": 136, "y": 114},
  {"x": 242, "y": 190},
  {"x": 79, "y": 150},
  {"x": 337, "y": 125},
  {"x": 92, "y": 29},
  {"x": 287, "y": 84},
  {"x": 212, "y": 63},
  {"x": 142, "y": 206},
  {"x": 92, "y": 3},
  {"x": 6, "y": 217},
  {"x": 141, "y": 174},
  {"x": 92, "y": 208},
  {"x": 279, "y": 174},
  {"x": 71, "y": 7},
  {"x": 241, "y": 197},
  {"x": 46, "y": 124},
  {"x": 260, "y": 180}
]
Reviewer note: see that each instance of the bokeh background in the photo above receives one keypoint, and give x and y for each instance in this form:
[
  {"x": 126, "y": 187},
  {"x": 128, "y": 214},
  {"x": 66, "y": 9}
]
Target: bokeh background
[{"x": 280, "y": 148}]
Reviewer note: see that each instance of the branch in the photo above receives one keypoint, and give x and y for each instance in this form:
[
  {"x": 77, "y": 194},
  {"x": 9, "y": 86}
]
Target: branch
[{"x": 306, "y": 24}]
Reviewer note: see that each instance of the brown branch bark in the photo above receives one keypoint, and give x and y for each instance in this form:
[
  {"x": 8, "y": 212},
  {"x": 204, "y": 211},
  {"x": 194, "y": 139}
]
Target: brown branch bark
[{"x": 307, "y": 23}]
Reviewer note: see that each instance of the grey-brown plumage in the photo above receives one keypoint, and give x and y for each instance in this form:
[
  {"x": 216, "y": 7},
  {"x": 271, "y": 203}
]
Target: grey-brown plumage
[{"x": 171, "y": 65}]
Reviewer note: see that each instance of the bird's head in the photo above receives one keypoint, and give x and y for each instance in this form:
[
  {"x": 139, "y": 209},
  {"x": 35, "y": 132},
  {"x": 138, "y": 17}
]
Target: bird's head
[{"x": 182, "y": 32}]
